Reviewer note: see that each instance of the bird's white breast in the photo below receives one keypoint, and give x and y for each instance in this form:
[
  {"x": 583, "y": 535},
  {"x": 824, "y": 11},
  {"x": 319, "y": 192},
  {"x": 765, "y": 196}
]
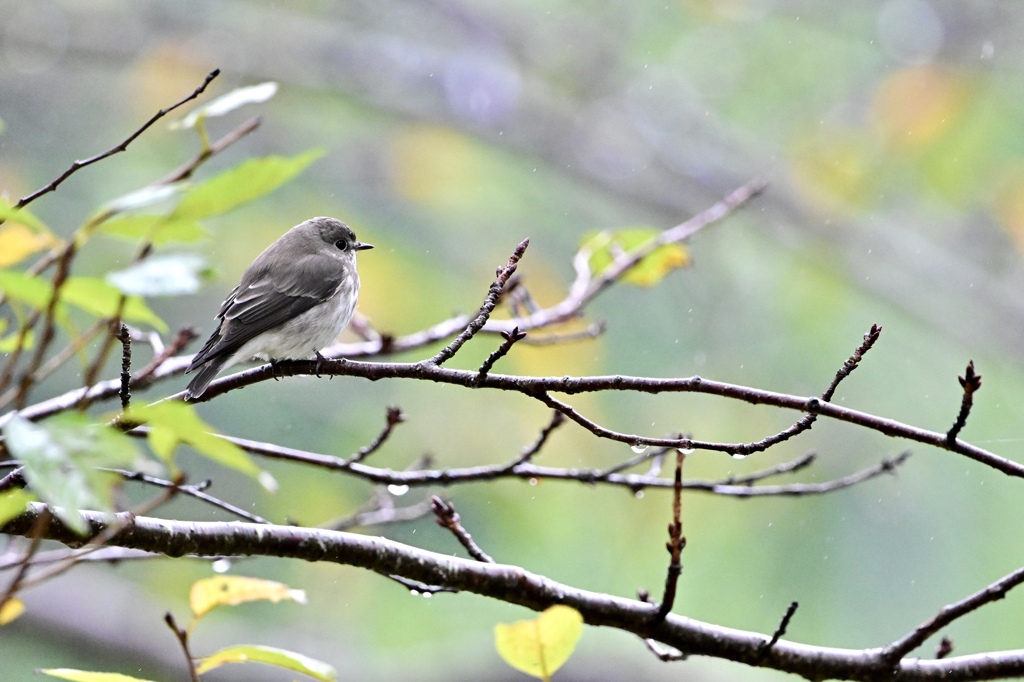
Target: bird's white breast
[{"x": 307, "y": 333}]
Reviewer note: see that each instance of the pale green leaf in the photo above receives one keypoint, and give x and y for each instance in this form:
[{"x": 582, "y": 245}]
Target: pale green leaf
[
  {"x": 252, "y": 94},
  {"x": 245, "y": 182},
  {"x": 540, "y": 646},
  {"x": 281, "y": 658},
  {"x": 101, "y": 299},
  {"x": 157, "y": 229},
  {"x": 61, "y": 457},
  {"x": 34, "y": 292},
  {"x": 162, "y": 440},
  {"x": 85, "y": 676},
  {"x": 173, "y": 422},
  {"x": 19, "y": 286},
  {"x": 164, "y": 275}
]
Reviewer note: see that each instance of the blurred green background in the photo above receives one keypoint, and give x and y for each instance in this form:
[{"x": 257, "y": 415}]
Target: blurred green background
[{"x": 890, "y": 133}]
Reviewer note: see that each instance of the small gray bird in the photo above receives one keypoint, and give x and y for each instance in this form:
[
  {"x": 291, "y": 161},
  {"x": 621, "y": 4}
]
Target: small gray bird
[{"x": 295, "y": 298}]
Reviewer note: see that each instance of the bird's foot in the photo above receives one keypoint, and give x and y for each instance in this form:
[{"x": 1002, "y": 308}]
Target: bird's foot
[
  {"x": 275, "y": 366},
  {"x": 319, "y": 361}
]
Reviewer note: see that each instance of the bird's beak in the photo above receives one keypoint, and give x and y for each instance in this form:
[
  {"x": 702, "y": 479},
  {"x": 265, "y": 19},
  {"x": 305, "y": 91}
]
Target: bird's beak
[{"x": 362, "y": 247}]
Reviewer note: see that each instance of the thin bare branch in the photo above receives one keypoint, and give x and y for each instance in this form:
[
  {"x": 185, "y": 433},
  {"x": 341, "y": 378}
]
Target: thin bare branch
[
  {"x": 784, "y": 468},
  {"x": 490, "y": 301},
  {"x": 528, "y": 453},
  {"x": 393, "y": 418},
  {"x": 35, "y": 534},
  {"x": 780, "y": 630},
  {"x": 120, "y": 147},
  {"x": 808, "y": 420},
  {"x": 381, "y": 515},
  {"x": 510, "y": 339},
  {"x": 194, "y": 490},
  {"x": 676, "y": 543},
  {"x": 190, "y": 167},
  {"x": 994, "y": 592},
  {"x": 184, "y": 337},
  {"x": 526, "y": 471},
  {"x": 49, "y": 321},
  {"x": 181, "y": 634},
  {"x": 448, "y": 518},
  {"x": 126, "y": 367},
  {"x": 970, "y": 382}
]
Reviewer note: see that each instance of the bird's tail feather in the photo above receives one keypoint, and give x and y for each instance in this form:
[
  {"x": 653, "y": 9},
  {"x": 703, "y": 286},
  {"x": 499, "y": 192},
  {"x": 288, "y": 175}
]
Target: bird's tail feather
[{"x": 206, "y": 374}]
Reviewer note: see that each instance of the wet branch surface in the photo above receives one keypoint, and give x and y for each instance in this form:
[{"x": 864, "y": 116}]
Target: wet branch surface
[{"x": 515, "y": 585}]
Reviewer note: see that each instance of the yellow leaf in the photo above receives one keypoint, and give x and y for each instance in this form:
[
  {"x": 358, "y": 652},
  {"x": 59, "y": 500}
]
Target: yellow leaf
[
  {"x": 11, "y": 609},
  {"x": 221, "y": 590},
  {"x": 606, "y": 246},
  {"x": 540, "y": 646},
  {"x": 17, "y": 241}
]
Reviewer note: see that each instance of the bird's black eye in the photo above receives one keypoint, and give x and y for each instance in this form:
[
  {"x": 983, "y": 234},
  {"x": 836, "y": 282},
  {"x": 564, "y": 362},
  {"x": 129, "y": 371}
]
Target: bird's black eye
[{"x": 342, "y": 245}]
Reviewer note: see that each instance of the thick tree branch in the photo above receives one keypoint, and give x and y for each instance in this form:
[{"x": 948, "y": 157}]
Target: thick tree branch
[
  {"x": 515, "y": 585},
  {"x": 537, "y": 387}
]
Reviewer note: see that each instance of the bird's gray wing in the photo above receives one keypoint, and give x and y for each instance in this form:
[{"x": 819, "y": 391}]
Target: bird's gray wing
[{"x": 268, "y": 297}]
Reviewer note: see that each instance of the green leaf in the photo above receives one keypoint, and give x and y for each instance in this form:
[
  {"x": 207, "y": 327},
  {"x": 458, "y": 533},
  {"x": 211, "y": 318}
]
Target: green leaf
[
  {"x": 19, "y": 286},
  {"x": 85, "y": 676},
  {"x": 226, "y": 103},
  {"x": 34, "y": 292},
  {"x": 172, "y": 422},
  {"x": 61, "y": 456},
  {"x": 605, "y": 246},
  {"x": 90, "y": 294},
  {"x": 243, "y": 183},
  {"x": 153, "y": 228},
  {"x": 163, "y": 440},
  {"x": 540, "y": 646},
  {"x": 9, "y": 343},
  {"x": 12, "y": 503},
  {"x": 281, "y": 658},
  {"x": 165, "y": 275},
  {"x": 101, "y": 299}
]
